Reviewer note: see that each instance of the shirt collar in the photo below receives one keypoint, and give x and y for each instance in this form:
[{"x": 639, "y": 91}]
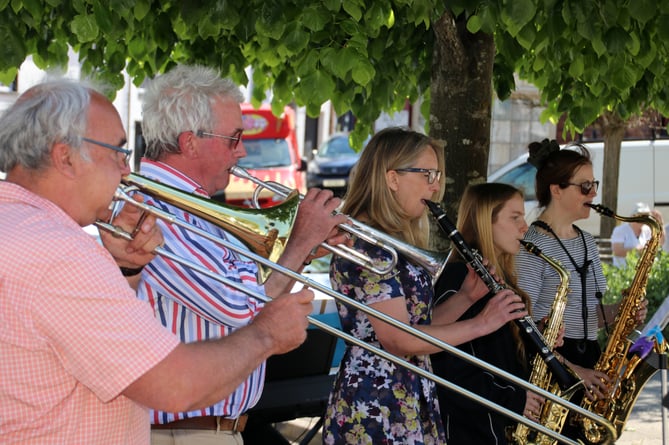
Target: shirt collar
[{"x": 169, "y": 175}]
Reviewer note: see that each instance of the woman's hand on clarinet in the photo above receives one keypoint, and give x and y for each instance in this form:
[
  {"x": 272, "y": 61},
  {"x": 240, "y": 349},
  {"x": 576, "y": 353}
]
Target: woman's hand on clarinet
[
  {"x": 473, "y": 286},
  {"x": 502, "y": 308}
]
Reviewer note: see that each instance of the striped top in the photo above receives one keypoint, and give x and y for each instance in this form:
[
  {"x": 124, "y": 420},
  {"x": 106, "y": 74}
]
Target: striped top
[
  {"x": 73, "y": 335},
  {"x": 193, "y": 306},
  {"x": 540, "y": 280}
]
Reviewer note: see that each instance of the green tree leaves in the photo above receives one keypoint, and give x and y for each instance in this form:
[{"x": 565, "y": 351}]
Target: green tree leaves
[
  {"x": 366, "y": 57},
  {"x": 13, "y": 51},
  {"x": 588, "y": 57},
  {"x": 517, "y": 14}
]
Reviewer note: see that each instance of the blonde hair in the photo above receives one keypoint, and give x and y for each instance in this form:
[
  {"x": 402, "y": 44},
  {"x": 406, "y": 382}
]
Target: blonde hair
[
  {"x": 370, "y": 199},
  {"x": 478, "y": 211}
]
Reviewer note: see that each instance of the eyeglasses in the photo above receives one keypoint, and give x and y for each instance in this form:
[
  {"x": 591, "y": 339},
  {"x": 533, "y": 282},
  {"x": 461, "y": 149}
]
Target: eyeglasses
[
  {"x": 235, "y": 138},
  {"x": 431, "y": 174},
  {"x": 586, "y": 187},
  {"x": 127, "y": 153}
]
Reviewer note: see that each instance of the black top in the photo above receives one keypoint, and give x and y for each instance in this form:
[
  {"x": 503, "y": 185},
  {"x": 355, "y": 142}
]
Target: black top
[{"x": 466, "y": 421}]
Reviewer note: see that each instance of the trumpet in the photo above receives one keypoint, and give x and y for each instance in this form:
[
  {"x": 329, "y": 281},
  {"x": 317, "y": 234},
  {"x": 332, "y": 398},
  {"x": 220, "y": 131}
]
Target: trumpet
[
  {"x": 265, "y": 231},
  {"x": 433, "y": 262},
  {"x": 191, "y": 203}
]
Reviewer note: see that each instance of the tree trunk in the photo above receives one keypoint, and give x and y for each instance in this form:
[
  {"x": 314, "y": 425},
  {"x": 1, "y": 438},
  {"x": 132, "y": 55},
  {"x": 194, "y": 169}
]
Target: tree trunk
[
  {"x": 613, "y": 128},
  {"x": 460, "y": 105}
]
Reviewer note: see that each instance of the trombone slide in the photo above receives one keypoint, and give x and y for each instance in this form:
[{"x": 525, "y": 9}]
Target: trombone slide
[
  {"x": 375, "y": 350},
  {"x": 121, "y": 195}
]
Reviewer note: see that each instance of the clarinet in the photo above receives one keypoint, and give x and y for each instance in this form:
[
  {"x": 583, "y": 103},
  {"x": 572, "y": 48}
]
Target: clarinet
[{"x": 561, "y": 374}]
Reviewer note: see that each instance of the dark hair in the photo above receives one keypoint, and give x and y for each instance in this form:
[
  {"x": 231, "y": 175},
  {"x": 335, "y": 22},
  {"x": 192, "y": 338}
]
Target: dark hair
[{"x": 556, "y": 167}]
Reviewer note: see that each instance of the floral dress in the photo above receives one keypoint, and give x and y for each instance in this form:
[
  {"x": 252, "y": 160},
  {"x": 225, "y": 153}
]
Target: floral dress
[{"x": 375, "y": 401}]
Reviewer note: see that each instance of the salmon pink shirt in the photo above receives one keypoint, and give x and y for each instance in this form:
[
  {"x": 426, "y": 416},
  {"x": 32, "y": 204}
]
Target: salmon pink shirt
[{"x": 73, "y": 335}]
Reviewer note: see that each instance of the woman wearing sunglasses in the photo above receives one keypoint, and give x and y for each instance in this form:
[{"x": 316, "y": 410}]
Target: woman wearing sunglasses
[{"x": 565, "y": 187}]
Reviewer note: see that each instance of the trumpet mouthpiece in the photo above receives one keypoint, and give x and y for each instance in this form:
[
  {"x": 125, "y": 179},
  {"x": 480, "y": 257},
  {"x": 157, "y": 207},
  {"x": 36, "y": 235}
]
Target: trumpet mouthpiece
[{"x": 239, "y": 172}]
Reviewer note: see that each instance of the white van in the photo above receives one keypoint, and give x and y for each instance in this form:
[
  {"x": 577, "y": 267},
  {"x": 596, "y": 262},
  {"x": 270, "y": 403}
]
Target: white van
[{"x": 644, "y": 176}]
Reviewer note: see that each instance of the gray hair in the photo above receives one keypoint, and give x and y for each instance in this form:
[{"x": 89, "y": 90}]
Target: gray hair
[
  {"x": 180, "y": 101},
  {"x": 48, "y": 113}
]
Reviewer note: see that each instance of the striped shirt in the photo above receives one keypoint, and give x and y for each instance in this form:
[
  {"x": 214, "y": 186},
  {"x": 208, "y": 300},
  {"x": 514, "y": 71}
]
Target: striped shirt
[
  {"x": 194, "y": 306},
  {"x": 73, "y": 335},
  {"x": 540, "y": 280}
]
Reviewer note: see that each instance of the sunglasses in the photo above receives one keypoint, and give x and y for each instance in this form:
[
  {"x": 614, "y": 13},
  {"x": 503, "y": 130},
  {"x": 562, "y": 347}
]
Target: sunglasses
[
  {"x": 431, "y": 174},
  {"x": 586, "y": 187}
]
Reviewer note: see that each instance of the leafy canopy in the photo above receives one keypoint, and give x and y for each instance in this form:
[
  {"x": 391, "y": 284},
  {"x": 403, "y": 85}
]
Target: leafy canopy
[
  {"x": 586, "y": 56},
  {"x": 363, "y": 56}
]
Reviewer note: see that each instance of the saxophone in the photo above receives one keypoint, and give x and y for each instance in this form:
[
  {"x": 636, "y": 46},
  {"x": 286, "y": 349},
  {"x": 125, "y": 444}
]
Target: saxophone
[
  {"x": 628, "y": 375},
  {"x": 552, "y": 414}
]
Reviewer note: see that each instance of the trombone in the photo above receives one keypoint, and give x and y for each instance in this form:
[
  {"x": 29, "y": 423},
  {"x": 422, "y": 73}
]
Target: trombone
[
  {"x": 433, "y": 262},
  {"x": 191, "y": 203}
]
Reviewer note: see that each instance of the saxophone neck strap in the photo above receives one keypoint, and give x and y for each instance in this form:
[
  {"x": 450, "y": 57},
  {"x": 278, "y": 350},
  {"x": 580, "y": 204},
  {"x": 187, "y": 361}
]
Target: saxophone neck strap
[{"x": 581, "y": 270}]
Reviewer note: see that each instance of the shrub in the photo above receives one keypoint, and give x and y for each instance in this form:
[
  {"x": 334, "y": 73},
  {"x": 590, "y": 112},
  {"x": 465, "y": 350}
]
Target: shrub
[{"x": 657, "y": 287}]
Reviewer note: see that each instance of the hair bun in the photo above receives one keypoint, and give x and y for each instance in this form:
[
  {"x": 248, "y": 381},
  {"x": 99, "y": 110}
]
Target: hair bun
[{"x": 539, "y": 151}]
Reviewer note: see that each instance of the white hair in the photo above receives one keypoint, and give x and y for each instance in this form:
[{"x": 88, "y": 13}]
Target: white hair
[
  {"x": 178, "y": 101},
  {"x": 48, "y": 113}
]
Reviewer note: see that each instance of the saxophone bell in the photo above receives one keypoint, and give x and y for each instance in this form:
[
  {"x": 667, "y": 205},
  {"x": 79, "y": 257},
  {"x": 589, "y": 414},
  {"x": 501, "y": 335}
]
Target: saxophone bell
[{"x": 627, "y": 372}]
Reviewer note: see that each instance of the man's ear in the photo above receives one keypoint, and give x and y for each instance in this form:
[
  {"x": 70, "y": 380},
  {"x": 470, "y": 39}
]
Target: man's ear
[
  {"x": 188, "y": 145},
  {"x": 64, "y": 159},
  {"x": 393, "y": 180}
]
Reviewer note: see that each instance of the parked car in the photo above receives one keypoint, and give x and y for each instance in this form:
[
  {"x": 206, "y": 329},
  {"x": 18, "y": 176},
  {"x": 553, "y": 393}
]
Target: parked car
[{"x": 331, "y": 164}]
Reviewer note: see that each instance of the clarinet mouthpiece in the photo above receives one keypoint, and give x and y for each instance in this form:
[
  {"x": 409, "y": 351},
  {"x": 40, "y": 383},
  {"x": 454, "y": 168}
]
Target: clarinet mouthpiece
[{"x": 433, "y": 206}]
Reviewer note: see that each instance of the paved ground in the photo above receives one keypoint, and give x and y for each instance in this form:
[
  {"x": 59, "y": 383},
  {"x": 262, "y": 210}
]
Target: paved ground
[{"x": 644, "y": 426}]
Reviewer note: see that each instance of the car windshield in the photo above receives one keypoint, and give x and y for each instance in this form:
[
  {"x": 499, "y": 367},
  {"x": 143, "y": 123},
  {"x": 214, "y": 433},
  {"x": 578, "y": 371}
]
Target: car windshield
[
  {"x": 263, "y": 153},
  {"x": 336, "y": 148},
  {"x": 521, "y": 177}
]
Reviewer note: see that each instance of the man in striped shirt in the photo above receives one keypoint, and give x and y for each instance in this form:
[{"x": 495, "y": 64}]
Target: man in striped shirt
[
  {"x": 80, "y": 356},
  {"x": 192, "y": 124}
]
